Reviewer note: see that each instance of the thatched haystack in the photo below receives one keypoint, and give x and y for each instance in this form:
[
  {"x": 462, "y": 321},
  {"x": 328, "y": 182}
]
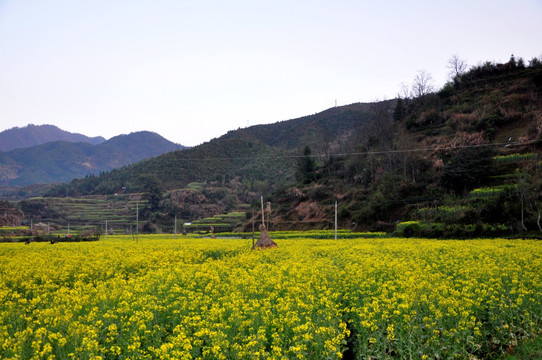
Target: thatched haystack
[{"x": 264, "y": 242}]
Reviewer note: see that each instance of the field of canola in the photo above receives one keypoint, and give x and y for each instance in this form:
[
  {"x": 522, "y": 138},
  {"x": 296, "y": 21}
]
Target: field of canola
[{"x": 161, "y": 298}]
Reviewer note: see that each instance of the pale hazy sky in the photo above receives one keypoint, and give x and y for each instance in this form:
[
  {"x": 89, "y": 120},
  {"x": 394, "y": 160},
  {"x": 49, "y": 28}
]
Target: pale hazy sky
[{"x": 192, "y": 70}]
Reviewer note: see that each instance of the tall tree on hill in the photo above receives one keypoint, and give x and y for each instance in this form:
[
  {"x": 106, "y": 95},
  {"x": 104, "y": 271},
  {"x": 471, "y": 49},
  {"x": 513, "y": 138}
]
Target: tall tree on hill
[
  {"x": 423, "y": 84},
  {"x": 457, "y": 67},
  {"x": 400, "y": 111},
  {"x": 306, "y": 167},
  {"x": 153, "y": 189}
]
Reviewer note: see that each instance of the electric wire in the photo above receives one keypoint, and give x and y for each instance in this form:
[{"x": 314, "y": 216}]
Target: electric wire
[{"x": 360, "y": 153}]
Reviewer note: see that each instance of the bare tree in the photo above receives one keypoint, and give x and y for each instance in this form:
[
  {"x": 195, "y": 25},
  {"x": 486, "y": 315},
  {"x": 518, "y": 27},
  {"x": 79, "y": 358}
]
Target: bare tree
[
  {"x": 423, "y": 84},
  {"x": 404, "y": 92},
  {"x": 457, "y": 66}
]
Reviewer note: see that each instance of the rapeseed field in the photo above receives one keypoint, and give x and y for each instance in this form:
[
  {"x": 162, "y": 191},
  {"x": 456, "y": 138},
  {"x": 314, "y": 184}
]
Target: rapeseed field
[{"x": 160, "y": 298}]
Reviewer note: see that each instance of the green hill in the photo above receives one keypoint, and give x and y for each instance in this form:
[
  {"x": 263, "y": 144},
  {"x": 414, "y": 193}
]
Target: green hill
[
  {"x": 326, "y": 129},
  {"x": 260, "y": 153}
]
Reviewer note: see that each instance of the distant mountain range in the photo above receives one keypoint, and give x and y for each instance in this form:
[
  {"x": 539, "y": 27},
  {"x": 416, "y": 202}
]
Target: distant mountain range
[
  {"x": 60, "y": 156},
  {"x": 32, "y": 135}
]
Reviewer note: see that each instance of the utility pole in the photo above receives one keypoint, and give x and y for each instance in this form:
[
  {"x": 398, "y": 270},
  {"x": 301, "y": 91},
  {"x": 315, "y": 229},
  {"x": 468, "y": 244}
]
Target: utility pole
[
  {"x": 263, "y": 216},
  {"x": 137, "y": 221},
  {"x": 268, "y": 209},
  {"x": 106, "y": 228},
  {"x": 175, "y": 227}
]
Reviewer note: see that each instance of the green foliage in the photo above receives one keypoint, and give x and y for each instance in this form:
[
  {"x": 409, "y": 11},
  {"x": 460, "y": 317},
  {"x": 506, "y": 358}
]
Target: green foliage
[
  {"x": 529, "y": 349},
  {"x": 445, "y": 214},
  {"x": 469, "y": 168},
  {"x": 514, "y": 158},
  {"x": 440, "y": 230},
  {"x": 447, "y": 89},
  {"x": 408, "y": 228},
  {"x": 153, "y": 189},
  {"x": 38, "y": 208},
  {"x": 490, "y": 191}
]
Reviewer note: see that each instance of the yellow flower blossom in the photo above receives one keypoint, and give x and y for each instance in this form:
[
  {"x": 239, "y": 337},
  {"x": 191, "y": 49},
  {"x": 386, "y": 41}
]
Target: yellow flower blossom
[{"x": 161, "y": 298}]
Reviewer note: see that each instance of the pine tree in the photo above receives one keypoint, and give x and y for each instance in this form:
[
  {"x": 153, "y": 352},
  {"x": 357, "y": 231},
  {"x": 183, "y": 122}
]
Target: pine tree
[{"x": 306, "y": 167}]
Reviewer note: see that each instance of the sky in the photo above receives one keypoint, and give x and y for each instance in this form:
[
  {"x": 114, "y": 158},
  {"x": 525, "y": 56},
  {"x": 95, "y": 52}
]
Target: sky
[{"x": 193, "y": 70}]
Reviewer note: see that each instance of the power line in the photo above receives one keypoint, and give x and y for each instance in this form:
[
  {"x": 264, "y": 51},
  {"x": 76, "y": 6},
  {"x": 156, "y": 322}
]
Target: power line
[{"x": 380, "y": 152}]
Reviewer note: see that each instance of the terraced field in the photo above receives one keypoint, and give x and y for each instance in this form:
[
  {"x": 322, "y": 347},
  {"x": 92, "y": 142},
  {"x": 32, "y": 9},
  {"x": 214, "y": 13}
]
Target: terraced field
[
  {"x": 119, "y": 211},
  {"x": 220, "y": 223}
]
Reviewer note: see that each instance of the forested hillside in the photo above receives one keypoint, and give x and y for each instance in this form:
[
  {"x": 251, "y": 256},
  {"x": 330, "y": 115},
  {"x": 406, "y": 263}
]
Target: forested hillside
[
  {"x": 264, "y": 155},
  {"x": 325, "y": 131}
]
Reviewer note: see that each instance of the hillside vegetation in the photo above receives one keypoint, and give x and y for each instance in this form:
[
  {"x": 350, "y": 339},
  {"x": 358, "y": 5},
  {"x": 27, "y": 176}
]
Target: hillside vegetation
[
  {"x": 462, "y": 161},
  {"x": 430, "y": 159},
  {"x": 259, "y": 153}
]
